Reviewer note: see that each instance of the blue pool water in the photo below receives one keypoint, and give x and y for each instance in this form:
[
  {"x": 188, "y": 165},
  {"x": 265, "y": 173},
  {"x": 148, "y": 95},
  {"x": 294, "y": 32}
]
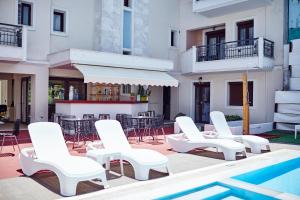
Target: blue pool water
[
  {"x": 282, "y": 177},
  {"x": 216, "y": 191}
]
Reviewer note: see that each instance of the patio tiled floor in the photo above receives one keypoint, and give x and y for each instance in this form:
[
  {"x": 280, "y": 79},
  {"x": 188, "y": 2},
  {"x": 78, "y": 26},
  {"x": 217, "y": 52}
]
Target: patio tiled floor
[{"x": 45, "y": 185}]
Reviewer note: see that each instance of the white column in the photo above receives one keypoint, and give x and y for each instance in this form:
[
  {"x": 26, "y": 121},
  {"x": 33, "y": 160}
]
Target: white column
[{"x": 39, "y": 96}]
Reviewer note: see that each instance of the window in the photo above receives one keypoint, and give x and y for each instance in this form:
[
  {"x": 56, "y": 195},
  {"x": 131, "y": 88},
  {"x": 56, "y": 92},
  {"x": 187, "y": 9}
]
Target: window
[
  {"x": 127, "y": 32},
  {"x": 173, "y": 38},
  {"x": 236, "y": 93},
  {"x": 245, "y": 32},
  {"x": 59, "y": 21},
  {"x": 126, "y": 89},
  {"x": 25, "y": 14},
  {"x": 127, "y": 3}
]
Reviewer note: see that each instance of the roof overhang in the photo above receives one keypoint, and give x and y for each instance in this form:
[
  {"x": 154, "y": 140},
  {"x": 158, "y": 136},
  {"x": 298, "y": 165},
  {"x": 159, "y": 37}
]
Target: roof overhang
[{"x": 87, "y": 57}]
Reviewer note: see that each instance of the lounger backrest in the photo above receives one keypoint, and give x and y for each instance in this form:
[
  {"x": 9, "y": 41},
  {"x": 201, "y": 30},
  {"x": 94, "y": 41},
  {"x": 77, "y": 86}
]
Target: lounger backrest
[
  {"x": 112, "y": 135},
  {"x": 48, "y": 140},
  {"x": 220, "y": 123},
  {"x": 189, "y": 128}
]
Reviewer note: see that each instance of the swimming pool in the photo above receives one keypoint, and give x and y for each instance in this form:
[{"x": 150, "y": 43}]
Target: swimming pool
[
  {"x": 282, "y": 177},
  {"x": 215, "y": 191}
]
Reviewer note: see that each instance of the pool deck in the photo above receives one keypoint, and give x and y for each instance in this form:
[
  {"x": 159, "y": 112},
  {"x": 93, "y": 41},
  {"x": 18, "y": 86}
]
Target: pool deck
[
  {"x": 198, "y": 167},
  {"x": 220, "y": 172}
]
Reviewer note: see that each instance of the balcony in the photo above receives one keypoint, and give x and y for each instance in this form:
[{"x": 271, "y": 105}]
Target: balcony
[
  {"x": 13, "y": 42},
  {"x": 211, "y": 8},
  {"x": 256, "y": 53}
]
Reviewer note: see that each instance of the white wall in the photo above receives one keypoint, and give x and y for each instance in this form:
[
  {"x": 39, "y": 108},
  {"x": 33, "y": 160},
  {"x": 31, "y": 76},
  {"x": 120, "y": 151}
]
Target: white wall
[
  {"x": 3, "y": 92},
  {"x": 7, "y": 11},
  {"x": 80, "y": 18},
  {"x": 156, "y": 99},
  {"x": 164, "y": 16}
]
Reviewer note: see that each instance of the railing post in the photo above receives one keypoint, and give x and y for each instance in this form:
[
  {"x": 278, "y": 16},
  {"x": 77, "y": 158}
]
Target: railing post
[{"x": 260, "y": 52}]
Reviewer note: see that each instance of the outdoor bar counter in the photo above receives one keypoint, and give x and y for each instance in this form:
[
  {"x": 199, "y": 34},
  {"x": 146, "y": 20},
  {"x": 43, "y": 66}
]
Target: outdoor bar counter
[{"x": 80, "y": 107}]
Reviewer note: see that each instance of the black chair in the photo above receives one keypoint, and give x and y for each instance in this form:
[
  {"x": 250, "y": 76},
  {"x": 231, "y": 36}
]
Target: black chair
[
  {"x": 88, "y": 116},
  {"x": 68, "y": 126},
  {"x": 82, "y": 130},
  {"x": 12, "y": 135},
  {"x": 158, "y": 123},
  {"x": 104, "y": 116},
  {"x": 129, "y": 125}
]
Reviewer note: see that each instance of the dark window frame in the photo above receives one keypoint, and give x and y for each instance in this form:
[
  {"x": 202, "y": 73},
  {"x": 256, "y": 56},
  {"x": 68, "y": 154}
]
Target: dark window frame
[
  {"x": 236, "y": 98},
  {"x": 29, "y": 5},
  {"x": 62, "y": 16},
  {"x": 127, "y": 3},
  {"x": 245, "y": 25}
]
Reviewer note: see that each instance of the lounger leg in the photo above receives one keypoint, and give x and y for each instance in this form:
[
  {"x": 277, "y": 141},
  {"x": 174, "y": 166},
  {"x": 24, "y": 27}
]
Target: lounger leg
[
  {"x": 104, "y": 180},
  {"x": 256, "y": 149},
  {"x": 229, "y": 155},
  {"x": 67, "y": 186},
  {"x": 168, "y": 170},
  {"x": 141, "y": 173},
  {"x": 122, "y": 167}
]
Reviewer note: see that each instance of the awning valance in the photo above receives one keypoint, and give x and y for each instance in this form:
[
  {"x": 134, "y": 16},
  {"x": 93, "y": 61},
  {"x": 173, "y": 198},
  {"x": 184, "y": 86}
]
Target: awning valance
[{"x": 113, "y": 75}]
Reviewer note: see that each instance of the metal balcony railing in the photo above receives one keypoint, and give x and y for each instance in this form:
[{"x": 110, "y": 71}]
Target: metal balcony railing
[
  {"x": 10, "y": 35},
  {"x": 234, "y": 49},
  {"x": 268, "y": 48}
]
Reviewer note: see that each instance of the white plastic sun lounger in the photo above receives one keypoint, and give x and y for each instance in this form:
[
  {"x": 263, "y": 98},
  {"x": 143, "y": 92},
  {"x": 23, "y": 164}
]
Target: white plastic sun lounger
[
  {"x": 192, "y": 138},
  {"x": 255, "y": 143},
  {"x": 50, "y": 152},
  {"x": 142, "y": 160}
]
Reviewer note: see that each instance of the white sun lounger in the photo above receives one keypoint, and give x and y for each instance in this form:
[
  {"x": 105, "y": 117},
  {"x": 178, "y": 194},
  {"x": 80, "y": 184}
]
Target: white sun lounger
[
  {"x": 50, "y": 152},
  {"x": 255, "y": 143},
  {"x": 192, "y": 138},
  {"x": 142, "y": 160}
]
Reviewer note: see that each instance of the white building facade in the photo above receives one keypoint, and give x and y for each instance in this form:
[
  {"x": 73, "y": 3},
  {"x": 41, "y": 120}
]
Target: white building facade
[{"x": 206, "y": 45}]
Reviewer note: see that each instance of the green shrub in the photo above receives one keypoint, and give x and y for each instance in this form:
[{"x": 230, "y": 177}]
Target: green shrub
[{"x": 232, "y": 117}]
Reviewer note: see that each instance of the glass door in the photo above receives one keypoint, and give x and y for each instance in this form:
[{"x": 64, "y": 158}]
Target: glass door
[
  {"x": 215, "y": 44},
  {"x": 202, "y": 102}
]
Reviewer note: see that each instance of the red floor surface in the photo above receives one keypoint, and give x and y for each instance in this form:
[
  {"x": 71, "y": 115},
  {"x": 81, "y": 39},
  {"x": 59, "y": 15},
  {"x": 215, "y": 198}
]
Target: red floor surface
[{"x": 9, "y": 158}]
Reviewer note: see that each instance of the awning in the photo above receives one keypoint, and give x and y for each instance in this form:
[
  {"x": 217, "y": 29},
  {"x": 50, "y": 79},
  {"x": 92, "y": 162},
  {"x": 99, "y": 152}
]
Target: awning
[{"x": 113, "y": 75}]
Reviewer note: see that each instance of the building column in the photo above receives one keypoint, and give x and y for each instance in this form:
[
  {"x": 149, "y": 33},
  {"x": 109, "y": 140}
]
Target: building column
[{"x": 39, "y": 96}]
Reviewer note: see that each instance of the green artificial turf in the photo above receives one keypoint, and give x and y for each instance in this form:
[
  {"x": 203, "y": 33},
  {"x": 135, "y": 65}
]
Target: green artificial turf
[{"x": 286, "y": 137}]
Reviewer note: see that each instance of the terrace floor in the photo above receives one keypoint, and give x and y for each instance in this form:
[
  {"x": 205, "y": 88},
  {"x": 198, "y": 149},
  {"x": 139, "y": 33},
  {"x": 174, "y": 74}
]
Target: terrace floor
[{"x": 45, "y": 185}]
